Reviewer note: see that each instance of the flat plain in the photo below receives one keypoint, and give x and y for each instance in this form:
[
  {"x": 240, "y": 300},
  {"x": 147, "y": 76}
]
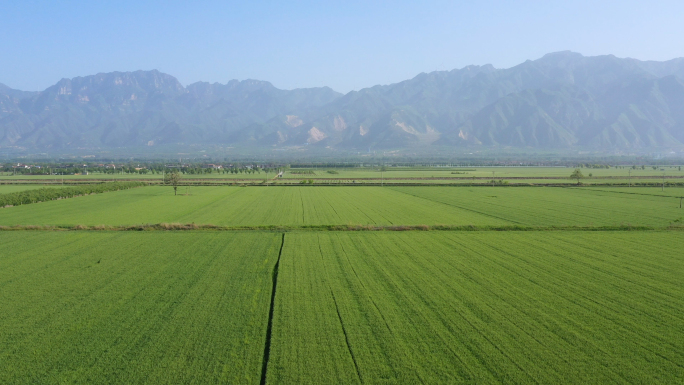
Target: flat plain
[
  {"x": 512, "y": 307},
  {"x": 163, "y": 307},
  {"x": 360, "y": 205},
  {"x": 303, "y": 304},
  {"x": 559, "y": 175}
]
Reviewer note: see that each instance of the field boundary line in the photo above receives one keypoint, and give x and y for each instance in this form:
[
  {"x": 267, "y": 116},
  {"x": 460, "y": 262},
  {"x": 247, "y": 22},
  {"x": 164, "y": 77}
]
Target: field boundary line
[
  {"x": 339, "y": 316},
  {"x": 606, "y": 181},
  {"x": 346, "y": 337},
  {"x": 627, "y": 192},
  {"x": 453, "y": 205},
  {"x": 273, "y": 228},
  {"x": 269, "y": 327}
]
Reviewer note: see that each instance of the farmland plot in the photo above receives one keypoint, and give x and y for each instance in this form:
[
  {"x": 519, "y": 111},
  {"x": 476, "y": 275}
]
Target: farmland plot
[
  {"x": 163, "y": 307},
  {"x": 549, "y": 206},
  {"x": 249, "y": 206},
  {"x": 485, "y": 307},
  {"x": 306, "y": 206},
  {"x": 673, "y": 192}
]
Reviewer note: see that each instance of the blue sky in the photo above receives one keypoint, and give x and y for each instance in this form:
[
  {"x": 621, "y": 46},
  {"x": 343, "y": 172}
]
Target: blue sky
[{"x": 342, "y": 44}]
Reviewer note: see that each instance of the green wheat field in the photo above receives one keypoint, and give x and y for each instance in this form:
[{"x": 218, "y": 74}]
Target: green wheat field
[{"x": 344, "y": 285}]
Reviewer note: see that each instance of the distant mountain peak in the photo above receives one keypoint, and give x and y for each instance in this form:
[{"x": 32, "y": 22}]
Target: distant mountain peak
[
  {"x": 561, "y": 100},
  {"x": 563, "y": 54},
  {"x": 10, "y": 92}
]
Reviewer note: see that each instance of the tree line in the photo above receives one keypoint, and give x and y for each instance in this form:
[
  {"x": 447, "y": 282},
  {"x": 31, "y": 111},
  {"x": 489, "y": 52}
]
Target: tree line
[
  {"x": 143, "y": 168},
  {"x": 48, "y": 194}
]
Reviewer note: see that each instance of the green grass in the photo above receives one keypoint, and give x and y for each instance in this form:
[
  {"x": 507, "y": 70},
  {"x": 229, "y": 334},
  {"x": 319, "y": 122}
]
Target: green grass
[
  {"x": 163, "y": 307},
  {"x": 479, "y": 308}
]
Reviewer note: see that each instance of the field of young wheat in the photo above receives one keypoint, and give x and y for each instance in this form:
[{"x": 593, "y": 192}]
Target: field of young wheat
[
  {"x": 388, "y": 206},
  {"x": 163, "y": 307},
  {"x": 489, "y": 307},
  {"x": 287, "y": 287}
]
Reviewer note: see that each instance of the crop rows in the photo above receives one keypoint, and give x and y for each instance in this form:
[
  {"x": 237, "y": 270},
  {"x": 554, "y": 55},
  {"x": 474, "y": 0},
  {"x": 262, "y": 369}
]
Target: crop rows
[
  {"x": 546, "y": 206},
  {"x": 431, "y": 307},
  {"x": 479, "y": 308},
  {"x": 135, "y": 307},
  {"x": 253, "y": 206},
  {"x": 388, "y": 206}
]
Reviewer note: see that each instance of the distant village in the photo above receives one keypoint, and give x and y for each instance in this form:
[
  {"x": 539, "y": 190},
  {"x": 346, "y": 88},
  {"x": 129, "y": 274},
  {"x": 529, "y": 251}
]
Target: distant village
[{"x": 137, "y": 168}]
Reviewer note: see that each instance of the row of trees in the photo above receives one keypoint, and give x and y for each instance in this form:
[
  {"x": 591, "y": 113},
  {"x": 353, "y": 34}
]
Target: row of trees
[
  {"x": 48, "y": 194},
  {"x": 226, "y": 170},
  {"x": 588, "y": 165},
  {"x": 642, "y": 167},
  {"x": 633, "y": 167}
]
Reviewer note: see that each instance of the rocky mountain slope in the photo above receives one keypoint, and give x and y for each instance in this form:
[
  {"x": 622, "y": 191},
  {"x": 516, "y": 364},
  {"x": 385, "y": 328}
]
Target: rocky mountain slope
[{"x": 562, "y": 100}]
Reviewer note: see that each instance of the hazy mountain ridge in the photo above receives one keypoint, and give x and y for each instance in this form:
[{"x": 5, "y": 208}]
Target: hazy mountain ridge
[
  {"x": 558, "y": 101},
  {"x": 145, "y": 108},
  {"x": 561, "y": 100}
]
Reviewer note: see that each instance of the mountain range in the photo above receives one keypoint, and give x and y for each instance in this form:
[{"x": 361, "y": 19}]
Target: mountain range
[{"x": 562, "y": 100}]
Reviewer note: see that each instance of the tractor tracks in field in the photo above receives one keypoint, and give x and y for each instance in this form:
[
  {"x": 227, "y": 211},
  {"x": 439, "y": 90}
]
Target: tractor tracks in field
[
  {"x": 269, "y": 327},
  {"x": 608, "y": 192},
  {"x": 339, "y": 317},
  {"x": 460, "y": 207},
  {"x": 346, "y": 337}
]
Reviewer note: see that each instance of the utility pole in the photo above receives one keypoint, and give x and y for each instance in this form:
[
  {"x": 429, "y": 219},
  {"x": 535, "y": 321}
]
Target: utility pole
[
  {"x": 663, "y": 182},
  {"x": 630, "y": 177}
]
